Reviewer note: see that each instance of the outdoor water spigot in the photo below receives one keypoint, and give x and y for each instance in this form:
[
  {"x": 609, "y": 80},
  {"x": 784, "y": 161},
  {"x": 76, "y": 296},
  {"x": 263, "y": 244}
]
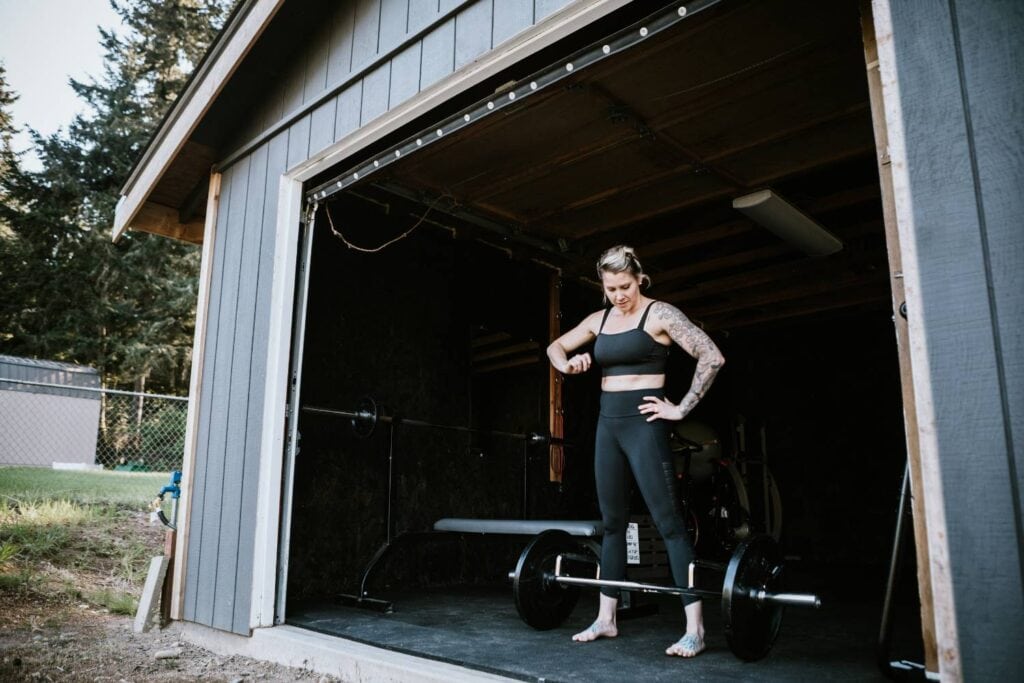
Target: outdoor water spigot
[{"x": 173, "y": 488}]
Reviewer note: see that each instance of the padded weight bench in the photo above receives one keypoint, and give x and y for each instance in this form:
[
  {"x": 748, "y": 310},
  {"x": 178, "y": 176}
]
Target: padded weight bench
[
  {"x": 588, "y": 531},
  {"x": 519, "y": 527}
]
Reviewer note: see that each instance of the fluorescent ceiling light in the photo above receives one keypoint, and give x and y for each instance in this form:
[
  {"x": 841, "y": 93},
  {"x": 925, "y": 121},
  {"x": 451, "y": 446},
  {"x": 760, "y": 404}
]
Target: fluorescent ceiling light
[{"x": 788, "y": 222}]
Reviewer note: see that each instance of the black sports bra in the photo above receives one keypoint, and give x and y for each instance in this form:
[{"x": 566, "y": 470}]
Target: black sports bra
[{"x": 633, "y": 352}]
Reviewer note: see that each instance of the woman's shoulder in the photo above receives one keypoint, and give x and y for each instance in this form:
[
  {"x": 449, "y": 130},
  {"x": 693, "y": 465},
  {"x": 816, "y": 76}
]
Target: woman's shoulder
[{"x": 662, "y": 308}]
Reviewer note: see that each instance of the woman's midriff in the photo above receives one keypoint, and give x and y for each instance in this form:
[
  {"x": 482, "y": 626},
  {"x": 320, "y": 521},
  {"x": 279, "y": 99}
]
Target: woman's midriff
[{"x": 632, "y": 382}]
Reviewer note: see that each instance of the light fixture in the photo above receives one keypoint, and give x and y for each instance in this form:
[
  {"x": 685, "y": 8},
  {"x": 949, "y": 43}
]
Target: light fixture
[{"x": 788, "y": 222}]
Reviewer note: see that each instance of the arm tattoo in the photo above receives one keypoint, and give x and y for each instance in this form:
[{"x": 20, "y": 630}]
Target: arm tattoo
[{"x": 695, "y": 342}]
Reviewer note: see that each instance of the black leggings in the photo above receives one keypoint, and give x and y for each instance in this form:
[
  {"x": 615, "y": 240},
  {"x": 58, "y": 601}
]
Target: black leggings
[{"x": 626, "y": 441}]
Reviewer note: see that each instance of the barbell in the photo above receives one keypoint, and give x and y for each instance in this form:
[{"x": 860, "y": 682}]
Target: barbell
[
  {"x": 752, "y": 598},
  {"x": 367, "y": 414}
]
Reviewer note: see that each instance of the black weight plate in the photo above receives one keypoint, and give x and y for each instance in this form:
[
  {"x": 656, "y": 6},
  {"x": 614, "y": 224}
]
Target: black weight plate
[
  {"x": 542, "y": 602},
  {"x": 751, "y": 627}
]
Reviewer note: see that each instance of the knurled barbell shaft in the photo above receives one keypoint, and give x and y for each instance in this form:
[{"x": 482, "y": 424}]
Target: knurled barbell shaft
[
  {"x": 532, "y": 437},
  {"x": 633, "y": 586},
  {"x": 758, "y": 596}
]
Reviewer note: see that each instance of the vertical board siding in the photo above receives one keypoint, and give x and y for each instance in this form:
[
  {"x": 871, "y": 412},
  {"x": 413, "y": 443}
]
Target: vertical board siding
[
  {"x": 298, "y": 141},
  {"x": 394, "y": 23},
  {"x": 367, "y": 32},
  {"x": 319, "y": 54},
  {"x": 339, "y": 64},
  {"x": 321, "y": 126},
  {"x": 997, "y": 122},
  {"x": 197, "y": 493},
  {"x": 472, "y": 32},
  {"x": 511, "y": 17},
  {"x": 275, "y": 166},
  {"x": 958, "y": 67},
  {"x": 354, "y": 42},
  {"x": 218, "y": 581},
  {"x": 346, "y": 117},
  {"x": 438, "y": 54},
  {"x": 228, "y": 550},
  {"x": 405, "y": 74},
  {"x": 421, "y": 13},
  {"x": 213, "y": 452},
  {"x": 351, "y": 36},
  {"x": 544, "y": 8},
  {"x": 376, "y": 87}
]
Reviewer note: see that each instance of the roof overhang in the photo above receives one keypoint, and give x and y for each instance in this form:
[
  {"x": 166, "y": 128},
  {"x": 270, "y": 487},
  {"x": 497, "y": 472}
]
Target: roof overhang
[{"x": 136, "y": 209}]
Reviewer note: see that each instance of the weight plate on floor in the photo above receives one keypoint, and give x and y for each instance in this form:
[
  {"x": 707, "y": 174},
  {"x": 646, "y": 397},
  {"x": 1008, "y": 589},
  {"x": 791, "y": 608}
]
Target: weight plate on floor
[
  {"x": 751, "y": 626},
  {"x": 542, "y": 602}
]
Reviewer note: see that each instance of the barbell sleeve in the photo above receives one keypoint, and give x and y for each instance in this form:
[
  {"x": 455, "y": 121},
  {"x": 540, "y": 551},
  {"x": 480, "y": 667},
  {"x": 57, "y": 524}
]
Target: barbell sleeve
[{"x": 791, "y": 599}]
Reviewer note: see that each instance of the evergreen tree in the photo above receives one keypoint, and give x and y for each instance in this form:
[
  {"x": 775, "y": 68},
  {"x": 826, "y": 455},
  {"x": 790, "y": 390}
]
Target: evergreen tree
[
  {"x": 67, "y": 292},
  {"x": 7, "y": 129}
]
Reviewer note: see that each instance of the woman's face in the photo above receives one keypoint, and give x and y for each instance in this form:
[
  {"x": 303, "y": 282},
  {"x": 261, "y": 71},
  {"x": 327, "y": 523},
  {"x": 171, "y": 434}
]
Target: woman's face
[{"x": 622, "y": 289}]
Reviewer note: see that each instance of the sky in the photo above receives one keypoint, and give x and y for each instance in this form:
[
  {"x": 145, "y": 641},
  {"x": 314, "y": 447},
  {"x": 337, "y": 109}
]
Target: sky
[{"x": 43, "y": 43}]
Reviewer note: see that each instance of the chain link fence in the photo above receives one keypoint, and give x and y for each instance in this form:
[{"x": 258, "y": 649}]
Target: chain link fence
[{"x": 55, "y": 425}]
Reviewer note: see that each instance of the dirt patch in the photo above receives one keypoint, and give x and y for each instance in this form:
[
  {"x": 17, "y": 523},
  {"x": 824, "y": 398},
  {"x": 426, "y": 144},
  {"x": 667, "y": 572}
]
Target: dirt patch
[
  {"x": 68, "y": 599},
  {"x": 79, "y": 642}
]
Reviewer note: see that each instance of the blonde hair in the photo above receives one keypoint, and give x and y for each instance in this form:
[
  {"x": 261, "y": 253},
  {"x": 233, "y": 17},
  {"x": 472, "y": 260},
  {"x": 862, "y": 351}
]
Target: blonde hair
[{"x": 622, "y": 259}]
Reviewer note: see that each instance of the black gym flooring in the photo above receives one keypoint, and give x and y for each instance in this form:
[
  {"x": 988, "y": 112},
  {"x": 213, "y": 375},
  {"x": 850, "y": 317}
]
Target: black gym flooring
[{"x": 478, "y": 628}]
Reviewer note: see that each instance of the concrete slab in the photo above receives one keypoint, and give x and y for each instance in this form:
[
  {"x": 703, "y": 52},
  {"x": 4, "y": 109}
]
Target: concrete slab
[{"x": 325, "y": 654}]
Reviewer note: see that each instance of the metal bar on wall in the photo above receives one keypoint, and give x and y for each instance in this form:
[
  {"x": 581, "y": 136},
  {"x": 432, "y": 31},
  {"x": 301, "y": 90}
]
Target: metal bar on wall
[{"x": 295, "y": 394}]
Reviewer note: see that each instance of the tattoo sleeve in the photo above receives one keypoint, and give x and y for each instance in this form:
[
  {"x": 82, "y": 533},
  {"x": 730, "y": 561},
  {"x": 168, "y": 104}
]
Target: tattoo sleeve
[{"x": 695, "y": 342}]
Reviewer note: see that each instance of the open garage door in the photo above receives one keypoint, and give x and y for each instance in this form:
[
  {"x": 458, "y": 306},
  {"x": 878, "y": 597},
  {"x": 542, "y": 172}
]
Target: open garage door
[{"x": 727, "y": 143}]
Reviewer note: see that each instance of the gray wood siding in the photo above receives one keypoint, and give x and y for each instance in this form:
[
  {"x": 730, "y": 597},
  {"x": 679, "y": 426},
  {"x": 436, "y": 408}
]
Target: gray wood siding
[
  {"x": 373, "y": 51},
  {"x": 962, "y": 98},
  {"x": 380, "y": 53},
  {"x": 218, "y": 584}
]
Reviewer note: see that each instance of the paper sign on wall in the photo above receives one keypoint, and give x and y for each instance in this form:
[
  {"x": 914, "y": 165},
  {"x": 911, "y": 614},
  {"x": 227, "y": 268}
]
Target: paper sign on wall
[{"x": 632, "y": 543}]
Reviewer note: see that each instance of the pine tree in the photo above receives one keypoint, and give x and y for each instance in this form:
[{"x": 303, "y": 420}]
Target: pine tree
[
  {"x": 7, "y": 129},
  {"x": 68, "y": 293}
]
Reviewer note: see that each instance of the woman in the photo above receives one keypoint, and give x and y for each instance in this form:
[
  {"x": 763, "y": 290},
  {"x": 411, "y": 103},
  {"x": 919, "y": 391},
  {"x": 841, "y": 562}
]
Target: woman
[{"x": 631, "y": 343}]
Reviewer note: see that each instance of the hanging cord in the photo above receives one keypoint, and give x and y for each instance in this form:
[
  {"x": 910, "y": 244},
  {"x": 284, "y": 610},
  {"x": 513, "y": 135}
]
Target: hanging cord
[{"x": 374, "y": 250}]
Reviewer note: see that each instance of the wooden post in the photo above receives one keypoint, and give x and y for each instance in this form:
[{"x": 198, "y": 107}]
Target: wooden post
[
  {"x": 167, "y": 590},
  {"x": 924, "y": 582},
  {"x": 556, "y": 418}
]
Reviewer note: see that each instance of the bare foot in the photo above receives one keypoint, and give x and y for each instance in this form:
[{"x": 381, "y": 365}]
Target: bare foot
[
  {"x": 690, "y": 645},
  {"x": 599, "y": 629}
]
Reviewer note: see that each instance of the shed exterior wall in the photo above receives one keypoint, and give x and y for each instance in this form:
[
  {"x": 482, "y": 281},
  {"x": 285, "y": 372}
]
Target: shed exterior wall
[
  {"x": 960, "y": 104},
  {"x": 46, "y": 425},
  {"x": 355, "y": 42},
  {"x": 224, "y": 479}
]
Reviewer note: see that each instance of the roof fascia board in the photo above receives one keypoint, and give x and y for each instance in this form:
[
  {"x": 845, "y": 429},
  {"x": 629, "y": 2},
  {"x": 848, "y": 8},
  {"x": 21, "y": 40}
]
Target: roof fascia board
[{"x": 213, "y": 74}]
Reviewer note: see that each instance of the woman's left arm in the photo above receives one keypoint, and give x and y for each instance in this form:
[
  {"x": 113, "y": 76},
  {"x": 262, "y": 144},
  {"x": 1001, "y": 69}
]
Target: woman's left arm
[{"x": 695, "y": 342}]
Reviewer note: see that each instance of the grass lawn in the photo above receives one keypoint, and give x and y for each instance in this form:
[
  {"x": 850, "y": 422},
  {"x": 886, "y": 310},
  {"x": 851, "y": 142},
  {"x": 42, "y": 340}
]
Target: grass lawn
[
  {"x": 71, "y": 536},
  {"x": 35, "y": 484}
]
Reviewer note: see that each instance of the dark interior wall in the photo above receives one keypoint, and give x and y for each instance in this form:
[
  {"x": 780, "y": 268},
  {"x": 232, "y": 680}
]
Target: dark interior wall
[
  {"x": 827, "y": 392},
  {"x": 400, "y": 325}
]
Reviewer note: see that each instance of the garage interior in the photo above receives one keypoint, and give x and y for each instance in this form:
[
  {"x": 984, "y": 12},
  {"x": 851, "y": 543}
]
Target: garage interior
[{"x": 491, "y": 233}]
